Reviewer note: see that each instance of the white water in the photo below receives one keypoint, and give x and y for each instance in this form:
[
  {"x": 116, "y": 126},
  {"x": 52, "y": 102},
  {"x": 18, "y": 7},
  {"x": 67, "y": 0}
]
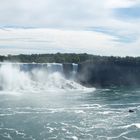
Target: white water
[
  {"x": 42, "y": 77},
  {"x": 100, "y": 115}
]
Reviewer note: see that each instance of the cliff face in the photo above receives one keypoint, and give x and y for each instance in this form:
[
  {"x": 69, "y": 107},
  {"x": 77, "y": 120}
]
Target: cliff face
[{"x": 105, "y": 74}]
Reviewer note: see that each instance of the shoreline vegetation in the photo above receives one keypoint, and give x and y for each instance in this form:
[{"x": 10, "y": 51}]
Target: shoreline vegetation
[
  {"x": 93, "y": 70},
  {"x": 71, "y": 58}
]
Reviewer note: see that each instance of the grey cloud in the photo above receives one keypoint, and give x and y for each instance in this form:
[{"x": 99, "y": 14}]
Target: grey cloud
[
  {"x": 67, "y": 14},
  {"x": 44, "y": 13}
]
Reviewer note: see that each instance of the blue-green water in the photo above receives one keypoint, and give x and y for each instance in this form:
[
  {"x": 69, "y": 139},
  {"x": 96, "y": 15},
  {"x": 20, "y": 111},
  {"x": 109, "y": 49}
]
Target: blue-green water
[{"x": 71, "y": 115}]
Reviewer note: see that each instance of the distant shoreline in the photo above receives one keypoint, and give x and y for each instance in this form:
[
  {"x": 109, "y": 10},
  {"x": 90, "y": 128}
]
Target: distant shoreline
[{"x": 70, "y": 58}]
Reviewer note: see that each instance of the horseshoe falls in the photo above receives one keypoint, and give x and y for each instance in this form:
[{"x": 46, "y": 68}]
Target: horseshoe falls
[{"x": 46, "y": 102}]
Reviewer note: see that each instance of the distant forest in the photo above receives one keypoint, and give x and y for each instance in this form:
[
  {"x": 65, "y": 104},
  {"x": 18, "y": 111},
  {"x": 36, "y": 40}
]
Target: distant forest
[{"x": 71, "y": 58}]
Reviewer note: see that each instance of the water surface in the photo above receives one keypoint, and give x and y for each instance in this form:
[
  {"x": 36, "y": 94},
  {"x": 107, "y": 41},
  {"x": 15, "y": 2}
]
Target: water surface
[
  {"x": 37, "y": 102},
  {"x": 100, "y": 115}
]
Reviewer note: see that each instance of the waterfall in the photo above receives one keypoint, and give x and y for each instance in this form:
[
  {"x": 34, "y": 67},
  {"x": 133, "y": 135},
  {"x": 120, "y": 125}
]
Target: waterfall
[{"x": 37, "y": 77}]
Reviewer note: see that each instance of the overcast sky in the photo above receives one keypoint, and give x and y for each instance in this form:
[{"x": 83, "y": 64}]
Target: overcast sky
[{"x": 102, "y": 27}]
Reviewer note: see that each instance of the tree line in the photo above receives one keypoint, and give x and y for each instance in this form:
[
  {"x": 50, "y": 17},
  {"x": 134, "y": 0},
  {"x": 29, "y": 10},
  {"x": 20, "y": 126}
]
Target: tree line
[{"x": 71, "y": 58}]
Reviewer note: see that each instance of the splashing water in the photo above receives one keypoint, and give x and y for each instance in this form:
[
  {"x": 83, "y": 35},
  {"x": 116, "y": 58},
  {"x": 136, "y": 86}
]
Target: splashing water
[{"x": 34, "y": 78}]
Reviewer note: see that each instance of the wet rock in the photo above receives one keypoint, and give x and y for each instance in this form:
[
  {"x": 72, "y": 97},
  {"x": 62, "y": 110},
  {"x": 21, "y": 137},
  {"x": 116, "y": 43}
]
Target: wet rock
[{"x": 131, "y": 111}]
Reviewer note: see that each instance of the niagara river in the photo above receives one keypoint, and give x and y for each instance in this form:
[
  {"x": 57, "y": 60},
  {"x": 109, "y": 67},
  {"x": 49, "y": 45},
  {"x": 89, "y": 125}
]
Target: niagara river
[{"x": 38, "y": 102}]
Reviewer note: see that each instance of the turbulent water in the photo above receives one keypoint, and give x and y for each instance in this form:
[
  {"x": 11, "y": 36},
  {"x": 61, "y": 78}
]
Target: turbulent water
[{"x": 37, "y": 102}]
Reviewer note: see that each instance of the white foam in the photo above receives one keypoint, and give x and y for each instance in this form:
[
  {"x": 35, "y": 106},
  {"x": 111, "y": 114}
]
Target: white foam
[
  {"x": 10, "y": 93},
  {"x": 130, "y": 125},
  {"x": 137, "y": 125},
  {"x": 79, "y": 112},
  {"x": 74, "y": 138},
  {"x": 105, "y": 112},
  {"x": 15, "y": 80}
]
